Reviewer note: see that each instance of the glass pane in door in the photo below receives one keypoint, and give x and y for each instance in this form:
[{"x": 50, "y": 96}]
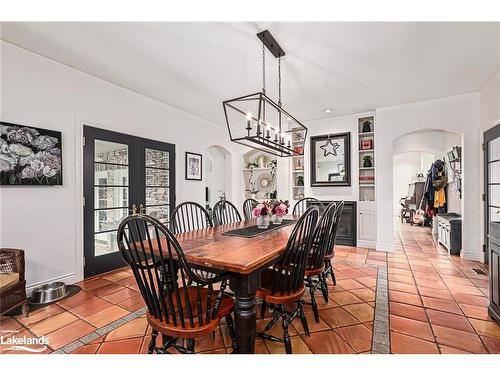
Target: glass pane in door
[
  {"x": 111, "y": 193},
  {"x": 494, "y": 198},
  {"x": 157, "y": 184},
  {"x": 494, "y": 172},
  {"x": 494, "y": 149}
]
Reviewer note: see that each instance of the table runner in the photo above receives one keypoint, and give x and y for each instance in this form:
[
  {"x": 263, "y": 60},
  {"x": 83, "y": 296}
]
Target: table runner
[{"x": 253, "y": 231}]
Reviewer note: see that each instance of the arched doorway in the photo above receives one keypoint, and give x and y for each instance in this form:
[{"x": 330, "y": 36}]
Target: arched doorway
[
  {"x": 218, "y": 173},
  {"x": 413, "y": 156}
]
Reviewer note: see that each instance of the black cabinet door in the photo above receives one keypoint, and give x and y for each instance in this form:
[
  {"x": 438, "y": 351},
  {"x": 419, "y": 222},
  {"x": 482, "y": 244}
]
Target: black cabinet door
[{"x": 121, "y": 173}]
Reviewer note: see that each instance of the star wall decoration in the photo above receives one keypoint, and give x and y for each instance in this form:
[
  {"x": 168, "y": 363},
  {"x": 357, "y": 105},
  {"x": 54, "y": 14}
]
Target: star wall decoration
[{"x": 330, "y": 148}]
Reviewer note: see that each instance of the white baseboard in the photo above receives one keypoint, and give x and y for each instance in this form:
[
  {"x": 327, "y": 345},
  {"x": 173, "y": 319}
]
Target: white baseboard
[
  {"x": 68, "y": 279},
  {"x": 384, "y": 247},
  {"x": 366, "y": 244},
  {"x": 472, "y": 255}
]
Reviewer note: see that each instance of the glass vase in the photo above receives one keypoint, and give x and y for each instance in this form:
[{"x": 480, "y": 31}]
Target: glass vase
[
  {"x": 276, "y": 219},
  {"x": 263, "y": 222}
]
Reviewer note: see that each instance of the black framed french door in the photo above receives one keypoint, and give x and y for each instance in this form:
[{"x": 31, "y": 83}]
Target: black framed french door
[
  {"x": 121, "y": 174},
  {"x": 491, "y": 185}
]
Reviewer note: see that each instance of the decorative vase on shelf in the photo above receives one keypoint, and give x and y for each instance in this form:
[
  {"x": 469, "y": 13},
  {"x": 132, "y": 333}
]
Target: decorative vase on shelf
[
  {"x": 366, "y": 127},
  {"x": 367, "y": 163},
  {"x": 300, "y": 180},
  {"x": 263, "y": 221}
]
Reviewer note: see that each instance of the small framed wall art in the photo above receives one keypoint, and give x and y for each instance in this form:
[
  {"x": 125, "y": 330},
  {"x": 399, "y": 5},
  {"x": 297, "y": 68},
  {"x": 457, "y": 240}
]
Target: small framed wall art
[{"x": 194, "y": 166}]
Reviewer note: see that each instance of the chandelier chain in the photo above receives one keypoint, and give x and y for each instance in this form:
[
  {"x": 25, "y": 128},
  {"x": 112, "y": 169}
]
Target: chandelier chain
[
  {"x": 263, "y": 68},
  {"x": 279, "y": 81}
]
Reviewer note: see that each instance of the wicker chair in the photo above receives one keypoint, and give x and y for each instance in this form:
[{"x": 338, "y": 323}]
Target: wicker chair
[{"x": 12, "y": 281}]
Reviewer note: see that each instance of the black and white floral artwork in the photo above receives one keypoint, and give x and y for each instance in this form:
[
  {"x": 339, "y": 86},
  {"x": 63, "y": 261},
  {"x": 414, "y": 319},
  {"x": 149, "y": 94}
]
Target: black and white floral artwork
[{"x": 29, "y": 156}]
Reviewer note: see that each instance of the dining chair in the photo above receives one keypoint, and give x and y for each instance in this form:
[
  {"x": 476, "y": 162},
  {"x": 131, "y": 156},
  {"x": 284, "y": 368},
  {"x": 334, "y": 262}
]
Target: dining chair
[
  {"x": 248, "y": 206},
  {"x": 314, "y": 276},
  {"x": 302, "y": 205},
  {"x": 330, "y": 249},
  {"x": 224, "y": 212},
  {"x": 283, "y": 284},
  {"x": 189, "y": 216},
  {"x": 174, "y": 309}
]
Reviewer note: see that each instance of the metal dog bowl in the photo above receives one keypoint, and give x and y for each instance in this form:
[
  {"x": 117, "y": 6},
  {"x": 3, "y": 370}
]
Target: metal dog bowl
[{"x": 49, "y": 293}]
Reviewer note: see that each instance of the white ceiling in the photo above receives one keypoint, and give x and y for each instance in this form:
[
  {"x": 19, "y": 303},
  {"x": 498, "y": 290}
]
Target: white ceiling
[{"x": 351, "y": 67}]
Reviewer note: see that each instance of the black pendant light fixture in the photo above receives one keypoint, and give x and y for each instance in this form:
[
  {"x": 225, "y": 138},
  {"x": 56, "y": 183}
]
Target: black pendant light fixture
[{"x": 256, "y": 121}]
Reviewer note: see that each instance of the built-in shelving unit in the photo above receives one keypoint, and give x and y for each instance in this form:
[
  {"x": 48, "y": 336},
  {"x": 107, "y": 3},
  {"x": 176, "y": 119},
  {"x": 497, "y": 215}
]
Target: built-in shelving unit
[
  {"x": 297, "y": 166},
  {"x": 366, "y": 146},
  {"x": 366, "y": 182}
]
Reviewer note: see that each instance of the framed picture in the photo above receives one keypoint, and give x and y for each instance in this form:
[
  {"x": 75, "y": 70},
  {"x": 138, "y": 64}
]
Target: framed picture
[
  {"x": 331, "y": 160},
  {"x": 194, "y": 166},
  {"x": 30, "y": 156}
]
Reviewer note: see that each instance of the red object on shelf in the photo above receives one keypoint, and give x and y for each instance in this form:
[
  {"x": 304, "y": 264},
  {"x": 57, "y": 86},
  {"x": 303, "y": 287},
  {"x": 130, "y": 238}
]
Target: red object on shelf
[
  {"x": 299, "y": 149},
  {"x": 367, "y": 179},
  {"x": 366, "y": 144}
]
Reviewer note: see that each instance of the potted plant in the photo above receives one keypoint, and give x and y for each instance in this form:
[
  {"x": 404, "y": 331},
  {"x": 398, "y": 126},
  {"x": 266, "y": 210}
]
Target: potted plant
[
  {"x": 278, "y": 210},
  {"x": 262, "y": 212},
  {"x": 300, "y": 180},
  {"x": 367, "y": 161}
]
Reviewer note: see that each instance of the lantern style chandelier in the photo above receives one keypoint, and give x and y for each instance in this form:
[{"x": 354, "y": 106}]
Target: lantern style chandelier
[{"x": 256, "y": 121}]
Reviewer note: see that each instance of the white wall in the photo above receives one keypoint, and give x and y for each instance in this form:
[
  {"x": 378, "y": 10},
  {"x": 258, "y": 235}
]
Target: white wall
[
  {"x": 459, "y": 114},
  {"x": 490, "y": 103},
  {"x": 489, "y": 117},
  {"x": 47, "y": 221},
  {"x": 406, "y": 165}
]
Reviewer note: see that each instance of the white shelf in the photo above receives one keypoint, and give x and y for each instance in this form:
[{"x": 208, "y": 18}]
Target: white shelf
[
  {"x": 366, "y": 168},
  {"x": 370, "y": 134},
  {"x": 298, "y": 171},
  {"x": 366, "y": 185},
  {"x": 363, "y": 151},
  {"x": 298, "y": 187},
  {"x": 256, "y": 169}
]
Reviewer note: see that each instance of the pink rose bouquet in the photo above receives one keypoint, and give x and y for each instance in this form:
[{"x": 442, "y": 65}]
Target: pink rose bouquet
[
  {"x": 262, "y": 209},
  {"x": 280, "y": 209}
]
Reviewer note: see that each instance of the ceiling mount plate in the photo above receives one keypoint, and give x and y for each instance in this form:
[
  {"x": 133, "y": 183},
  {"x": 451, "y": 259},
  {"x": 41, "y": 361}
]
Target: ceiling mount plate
[{"x": 271, "y": 43}]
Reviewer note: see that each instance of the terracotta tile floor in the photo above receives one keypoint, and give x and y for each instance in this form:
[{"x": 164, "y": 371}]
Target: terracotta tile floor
[{"x": 437, "y": 305}]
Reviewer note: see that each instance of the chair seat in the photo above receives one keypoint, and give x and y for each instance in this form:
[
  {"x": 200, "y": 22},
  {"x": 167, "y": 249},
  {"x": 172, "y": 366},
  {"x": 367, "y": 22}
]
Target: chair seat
[
  {"x": 8, "y": 280},
  {"x": 265, "y": 290},
  {"x": 315, "y": 271},
  {"x": 195, "y": 331}
]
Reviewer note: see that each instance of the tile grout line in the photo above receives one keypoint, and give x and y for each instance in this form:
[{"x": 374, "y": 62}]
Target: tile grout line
[
  {"x": 99, "y": 332},
  {"x": 381, "y": 336}
]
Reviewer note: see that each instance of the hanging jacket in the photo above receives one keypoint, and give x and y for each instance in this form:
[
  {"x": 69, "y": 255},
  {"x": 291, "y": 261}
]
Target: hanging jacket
[
  {"x": 429, "y": 189},
  {"x": 439, "y": 198}
]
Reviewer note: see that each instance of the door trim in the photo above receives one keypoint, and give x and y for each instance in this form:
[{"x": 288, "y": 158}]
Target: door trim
[
  {"x": 80, "y": 188},
  {"x": 79, "y": 123},
  {"x": 489, "y": 135}
]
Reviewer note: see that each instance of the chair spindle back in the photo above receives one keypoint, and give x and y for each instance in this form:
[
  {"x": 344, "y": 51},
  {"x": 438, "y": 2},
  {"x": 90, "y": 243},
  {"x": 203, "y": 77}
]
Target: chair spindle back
[
  {"x": 292, "y": 265},
  {"x": 225, "y": 212},
  {"x": 163, "y": 274},
  {"x": 189, "y": 216},
  {"x": 248, "y": 206}
]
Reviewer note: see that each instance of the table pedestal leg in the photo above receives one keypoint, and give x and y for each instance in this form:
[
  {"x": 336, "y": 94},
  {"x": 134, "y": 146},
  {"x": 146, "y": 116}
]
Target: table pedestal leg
[{"x": 245, "y": 316}]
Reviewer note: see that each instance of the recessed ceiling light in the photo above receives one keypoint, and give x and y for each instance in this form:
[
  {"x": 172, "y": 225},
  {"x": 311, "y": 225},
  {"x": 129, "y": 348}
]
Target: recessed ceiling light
[{"x": 328, "y": 110}]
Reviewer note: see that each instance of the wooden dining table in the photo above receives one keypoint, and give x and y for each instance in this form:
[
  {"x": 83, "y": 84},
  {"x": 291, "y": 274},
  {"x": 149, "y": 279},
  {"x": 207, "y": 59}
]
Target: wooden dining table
[{"x": 245, "y": 259}]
